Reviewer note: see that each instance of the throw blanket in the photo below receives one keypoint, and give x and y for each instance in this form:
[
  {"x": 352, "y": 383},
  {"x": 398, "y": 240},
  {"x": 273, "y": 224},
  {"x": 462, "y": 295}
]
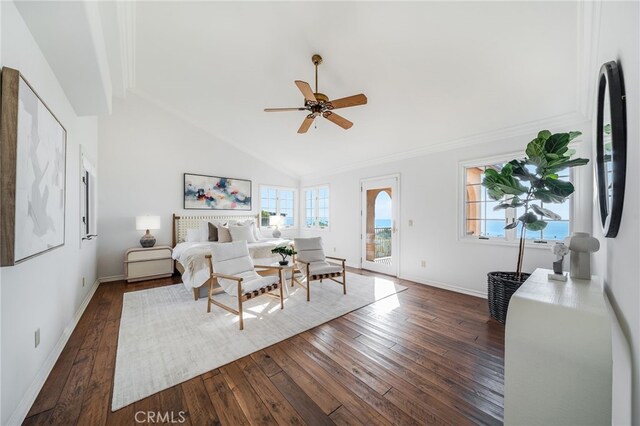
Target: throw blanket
[{"x": 196, "y": 266}]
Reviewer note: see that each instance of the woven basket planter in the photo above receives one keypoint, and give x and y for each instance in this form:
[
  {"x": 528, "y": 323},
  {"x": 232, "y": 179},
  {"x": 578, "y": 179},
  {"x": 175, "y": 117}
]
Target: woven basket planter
[{"x": 501, "y": 286}]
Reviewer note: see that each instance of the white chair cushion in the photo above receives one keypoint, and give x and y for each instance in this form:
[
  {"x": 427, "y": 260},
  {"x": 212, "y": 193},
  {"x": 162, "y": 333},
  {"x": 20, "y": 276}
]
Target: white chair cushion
[
  {"x": 309, "y": 249},
  {"x": 321, "y": 268},
  {"x": 233, "y": 259},
  {"x": 242, "y": 233}
]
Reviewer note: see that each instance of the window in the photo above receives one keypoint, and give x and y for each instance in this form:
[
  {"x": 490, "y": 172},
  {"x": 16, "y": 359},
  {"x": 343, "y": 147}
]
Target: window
[
  {"x": 316, "y": 207},
  {"x": 277, "y": 201},
  {"x": 482, "y": 221}
]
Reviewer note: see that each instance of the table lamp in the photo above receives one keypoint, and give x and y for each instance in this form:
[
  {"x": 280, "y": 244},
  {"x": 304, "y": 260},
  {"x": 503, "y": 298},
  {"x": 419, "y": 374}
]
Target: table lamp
[
  {"x": 276, "y": 221},
  {"x": 146, "y": 223}
]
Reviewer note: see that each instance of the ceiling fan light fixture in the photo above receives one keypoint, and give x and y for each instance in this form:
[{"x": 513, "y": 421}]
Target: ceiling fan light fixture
[{"x": 319, "y": 104}]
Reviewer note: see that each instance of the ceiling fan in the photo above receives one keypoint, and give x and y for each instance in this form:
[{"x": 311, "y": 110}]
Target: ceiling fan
[{"x": 319, "y": 104}]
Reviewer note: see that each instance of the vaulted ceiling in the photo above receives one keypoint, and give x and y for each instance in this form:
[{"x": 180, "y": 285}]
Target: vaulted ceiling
[{"x": 434, "y": 72}]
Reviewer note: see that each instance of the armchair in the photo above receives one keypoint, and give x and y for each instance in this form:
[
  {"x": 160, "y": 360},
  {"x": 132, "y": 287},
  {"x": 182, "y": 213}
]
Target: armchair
[
  {"x": 232, "y": 271},
  {"x": 312, "y": 262}
]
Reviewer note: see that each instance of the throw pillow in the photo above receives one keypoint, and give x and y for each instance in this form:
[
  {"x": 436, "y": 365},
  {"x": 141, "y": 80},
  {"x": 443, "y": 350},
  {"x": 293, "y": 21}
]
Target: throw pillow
[
  {"x": 204, "y": 230},
  {"x": 213, "y": 232},
  {"x": 223, "y": 233},
  {"x": 242, "y": 233}
]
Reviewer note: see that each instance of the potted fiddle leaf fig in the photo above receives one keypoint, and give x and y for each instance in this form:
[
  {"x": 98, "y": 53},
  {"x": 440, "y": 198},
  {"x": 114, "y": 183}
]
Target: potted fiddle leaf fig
[{"x": 519, "y": 184}]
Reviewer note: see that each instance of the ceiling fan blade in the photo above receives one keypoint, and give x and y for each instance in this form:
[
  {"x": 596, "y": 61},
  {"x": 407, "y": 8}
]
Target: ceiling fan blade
[
  {"x": 306, "y": 123},
  {"x": 349, "y": 101},
  {"x": 306, "y": 90},
  {"x": 335, "y": 118},
  {"x": 283, "y": 109}
]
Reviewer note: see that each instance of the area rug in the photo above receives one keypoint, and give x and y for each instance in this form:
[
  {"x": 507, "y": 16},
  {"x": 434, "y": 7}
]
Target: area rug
[{"x": 167, "y": 338}]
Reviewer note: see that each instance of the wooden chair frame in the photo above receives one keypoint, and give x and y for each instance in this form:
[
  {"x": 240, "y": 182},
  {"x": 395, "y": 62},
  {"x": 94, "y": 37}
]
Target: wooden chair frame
[
  {"x": 213, "y": 282},
  {"x": 320, "y": 277}
]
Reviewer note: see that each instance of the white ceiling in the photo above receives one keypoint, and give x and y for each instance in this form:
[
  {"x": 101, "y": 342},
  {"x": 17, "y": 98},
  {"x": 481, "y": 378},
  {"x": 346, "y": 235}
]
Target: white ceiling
[{"x": 434, "y": 72}]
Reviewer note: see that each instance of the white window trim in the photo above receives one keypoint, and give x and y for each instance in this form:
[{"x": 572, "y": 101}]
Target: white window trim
[
  {"x": 502, "y": 158},
  {"x": 295, "y": 205},
  {"x": 303, "y": 209}
]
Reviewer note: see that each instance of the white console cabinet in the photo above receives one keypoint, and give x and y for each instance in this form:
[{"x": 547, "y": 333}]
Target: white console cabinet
[{"x": 558, "y": 353}]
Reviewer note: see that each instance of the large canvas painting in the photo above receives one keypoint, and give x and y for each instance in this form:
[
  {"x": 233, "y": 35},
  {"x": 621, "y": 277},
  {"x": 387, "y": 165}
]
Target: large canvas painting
[
  {"x": 33, "y": 151},
  {"x": 216, "y": 193}
]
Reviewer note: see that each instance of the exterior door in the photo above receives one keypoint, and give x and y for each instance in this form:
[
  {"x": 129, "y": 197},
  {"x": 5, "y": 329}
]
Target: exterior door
[{"x": 380, "y": 201}]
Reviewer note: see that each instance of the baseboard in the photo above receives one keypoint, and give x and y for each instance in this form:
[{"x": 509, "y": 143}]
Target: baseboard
[
  {"x": 446, "y": 286},
  {"x": 21, "y": 411},
  {"x": 111, "y": 278}
]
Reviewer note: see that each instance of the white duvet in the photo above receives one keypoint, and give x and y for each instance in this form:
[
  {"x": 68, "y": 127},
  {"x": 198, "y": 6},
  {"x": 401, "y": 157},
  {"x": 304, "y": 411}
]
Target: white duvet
[{"x": 196, "y": 268}]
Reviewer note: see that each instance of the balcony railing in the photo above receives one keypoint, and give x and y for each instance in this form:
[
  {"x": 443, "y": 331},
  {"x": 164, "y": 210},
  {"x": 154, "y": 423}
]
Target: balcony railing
[{"x": 382, "y": 240}]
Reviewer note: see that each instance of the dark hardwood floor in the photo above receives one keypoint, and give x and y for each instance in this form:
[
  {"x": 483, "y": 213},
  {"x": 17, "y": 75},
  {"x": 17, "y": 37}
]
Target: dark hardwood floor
[{"x": 435, "y": 358}]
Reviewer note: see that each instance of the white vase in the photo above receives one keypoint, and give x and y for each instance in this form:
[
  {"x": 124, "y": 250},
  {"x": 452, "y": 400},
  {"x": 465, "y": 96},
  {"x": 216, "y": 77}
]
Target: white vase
[{"x": 582, "y": 244}]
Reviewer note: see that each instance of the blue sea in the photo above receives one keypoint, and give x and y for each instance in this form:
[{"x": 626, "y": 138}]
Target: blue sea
[
  {"x": 553, "y": 231},
  {"x": 383, "y": 223}
]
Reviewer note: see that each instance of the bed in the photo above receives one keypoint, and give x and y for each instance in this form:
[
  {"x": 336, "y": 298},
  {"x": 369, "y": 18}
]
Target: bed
[{"x": 190, "y": 255}]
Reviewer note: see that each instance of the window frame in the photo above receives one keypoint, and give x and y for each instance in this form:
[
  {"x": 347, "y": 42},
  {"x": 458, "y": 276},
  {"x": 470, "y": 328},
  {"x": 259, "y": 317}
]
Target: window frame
[
  {"x": 316, "y": 209},
  {"x": 514, "y": 240},
  {"x": 294, "y": 206}
]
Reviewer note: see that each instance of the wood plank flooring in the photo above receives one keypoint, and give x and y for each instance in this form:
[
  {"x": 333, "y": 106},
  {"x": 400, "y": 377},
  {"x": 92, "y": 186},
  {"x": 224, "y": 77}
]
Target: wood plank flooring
[{"x": 434, "y": 357}]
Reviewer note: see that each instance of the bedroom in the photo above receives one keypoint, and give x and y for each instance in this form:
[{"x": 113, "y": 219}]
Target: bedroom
[{"x": 150, "y": 94}]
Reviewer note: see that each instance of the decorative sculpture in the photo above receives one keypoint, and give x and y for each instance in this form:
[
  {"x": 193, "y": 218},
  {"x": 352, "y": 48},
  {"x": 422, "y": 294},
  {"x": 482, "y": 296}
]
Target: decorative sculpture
[
  {"x": 560, "y": 250},
  {"x": 582, "y": 244}
]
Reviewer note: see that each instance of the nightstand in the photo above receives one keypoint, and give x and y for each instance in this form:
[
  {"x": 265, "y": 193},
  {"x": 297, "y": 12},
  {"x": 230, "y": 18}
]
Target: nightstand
[{"x": 148, "y": 263}]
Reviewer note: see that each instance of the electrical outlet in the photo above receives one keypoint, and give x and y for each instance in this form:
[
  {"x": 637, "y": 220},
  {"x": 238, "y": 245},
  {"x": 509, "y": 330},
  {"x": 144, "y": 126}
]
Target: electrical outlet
[
  {"x": 82, "y": 281},
  {"x": 423, "y": 263},
  {"x": 410, "y": 222},
  {"x": 334, "y": 249},
  {"x": 37, "y": 338}
]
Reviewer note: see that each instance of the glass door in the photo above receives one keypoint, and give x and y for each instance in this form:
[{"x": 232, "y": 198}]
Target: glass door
[{"x": 379, "y": 225}]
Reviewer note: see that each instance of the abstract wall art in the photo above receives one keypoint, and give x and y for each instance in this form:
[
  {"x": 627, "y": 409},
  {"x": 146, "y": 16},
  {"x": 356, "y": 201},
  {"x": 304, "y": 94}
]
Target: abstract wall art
[
  {"x": 203, "y": 192},
  {"x": 33, "y": 162}
]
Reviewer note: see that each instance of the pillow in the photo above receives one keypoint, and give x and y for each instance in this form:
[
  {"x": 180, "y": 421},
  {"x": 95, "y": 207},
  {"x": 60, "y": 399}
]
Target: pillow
[
  {"x": 242, "y": 233},
  {"x": 193, "y": 235},
  {"x": 223, "y": 233},
  {"x": 213, "y": 232},
  {"x": 203, "y": 228},
  {"x": 256, "y": 232}
]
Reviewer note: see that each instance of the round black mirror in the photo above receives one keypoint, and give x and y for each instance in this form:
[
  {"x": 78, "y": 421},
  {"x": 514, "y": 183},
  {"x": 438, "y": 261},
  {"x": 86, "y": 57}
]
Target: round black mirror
[{"x": 611, "y": 147}]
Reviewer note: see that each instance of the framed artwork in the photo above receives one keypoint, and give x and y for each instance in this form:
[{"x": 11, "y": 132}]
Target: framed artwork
[
  {"x": 203, "y": 192},
  {"x": 33, "y": 160}
]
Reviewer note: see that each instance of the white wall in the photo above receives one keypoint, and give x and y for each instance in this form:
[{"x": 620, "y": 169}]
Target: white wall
[
  {"x": 46, "y": 291},
  {"x": 618, "y": 259},
  {"x": 144, "y": 151},
  {"x": 430, "y": 191}
]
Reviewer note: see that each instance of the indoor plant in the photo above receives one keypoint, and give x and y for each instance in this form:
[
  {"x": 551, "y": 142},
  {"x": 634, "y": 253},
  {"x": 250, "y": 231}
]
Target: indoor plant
[
  {"x": 284, "y": 251},
  {"x": 518, "y": 184}
]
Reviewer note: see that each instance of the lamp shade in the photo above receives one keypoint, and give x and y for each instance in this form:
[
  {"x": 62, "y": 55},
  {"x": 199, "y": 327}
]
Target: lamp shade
[
  {"x": 276, "y": 220},
  {"x": 147, "y": 222}
]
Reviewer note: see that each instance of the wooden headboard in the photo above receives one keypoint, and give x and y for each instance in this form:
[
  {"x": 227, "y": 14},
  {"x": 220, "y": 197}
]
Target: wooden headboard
[{"x": 182, "y": 223}]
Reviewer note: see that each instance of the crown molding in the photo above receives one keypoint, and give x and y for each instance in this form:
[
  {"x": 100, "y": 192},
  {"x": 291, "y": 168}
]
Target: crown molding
[
  {"x": 204, "y": 128},
  {"x": 575, "y": 120}
]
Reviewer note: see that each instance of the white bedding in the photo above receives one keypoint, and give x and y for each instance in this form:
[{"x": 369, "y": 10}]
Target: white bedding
[{"x": 196, "y": 269}]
